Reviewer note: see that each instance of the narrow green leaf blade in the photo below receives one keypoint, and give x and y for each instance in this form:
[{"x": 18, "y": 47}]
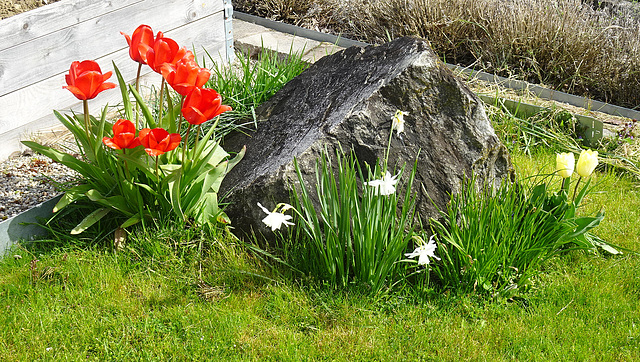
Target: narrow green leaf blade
[{"x": 89, "y": 220}]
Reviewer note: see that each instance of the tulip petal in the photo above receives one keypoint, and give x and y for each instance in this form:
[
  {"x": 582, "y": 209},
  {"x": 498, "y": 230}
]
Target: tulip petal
[
  {"x": 174, "y": 141},
  {"x": 85, "y": 79},
  {"x": 109, "y": 143},
  {"x": 76, "y": 92}
]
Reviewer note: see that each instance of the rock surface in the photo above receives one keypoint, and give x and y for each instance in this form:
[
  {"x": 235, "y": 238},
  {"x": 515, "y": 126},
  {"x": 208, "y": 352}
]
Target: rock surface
[{"x": 348, "y": 99}]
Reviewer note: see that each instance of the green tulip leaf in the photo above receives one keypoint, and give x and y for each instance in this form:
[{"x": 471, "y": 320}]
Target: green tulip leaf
[
  {"x": 131, "y": 221},
  {"x": 64, "y": 158},
  {"x": 209, "y": 209},
  {"x": 585, "y": 224},
  {"x": 128, "y": 113},
  {"x": 73, "y": 194},
  {"x": 578, "y": 200},
  {"x": 146, "y": 112},
  {"x": 89, "y": 220},
  {"x": 117, "y": 202}
]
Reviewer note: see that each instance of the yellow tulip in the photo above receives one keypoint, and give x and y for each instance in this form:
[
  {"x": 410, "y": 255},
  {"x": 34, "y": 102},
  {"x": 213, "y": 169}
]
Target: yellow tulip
[
  {"x": 565, "y": 163},
  {"x": 587, "y": 163}
]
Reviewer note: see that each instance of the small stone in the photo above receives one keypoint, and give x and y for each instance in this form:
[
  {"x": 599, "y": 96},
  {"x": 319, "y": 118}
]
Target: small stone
[{"x": 17, "y": 257}]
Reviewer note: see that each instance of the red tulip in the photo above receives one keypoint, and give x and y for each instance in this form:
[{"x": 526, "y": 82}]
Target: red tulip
[
  {"x": 163, "y": 50},
  {"x": 142, "y": 35},
  {"x": 158, "y": 141},
  {"x": 202, "y": 105},
  {"x": 185, "y": 75},
  {"x": 124, "y": 136},
  {"x": 85, "y": 80}
]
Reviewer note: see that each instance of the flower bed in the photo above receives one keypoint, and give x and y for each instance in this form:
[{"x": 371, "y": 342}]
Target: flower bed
[{"x": 39, "y": 45}]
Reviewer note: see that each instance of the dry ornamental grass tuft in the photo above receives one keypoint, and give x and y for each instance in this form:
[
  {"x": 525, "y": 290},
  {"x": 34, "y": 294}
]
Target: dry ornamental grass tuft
[{"x": 585, "y": 49}]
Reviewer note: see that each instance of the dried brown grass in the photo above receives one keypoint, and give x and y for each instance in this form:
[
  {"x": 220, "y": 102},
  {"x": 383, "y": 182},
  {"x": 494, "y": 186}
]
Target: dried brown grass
[{"x": 564, "y": 44}]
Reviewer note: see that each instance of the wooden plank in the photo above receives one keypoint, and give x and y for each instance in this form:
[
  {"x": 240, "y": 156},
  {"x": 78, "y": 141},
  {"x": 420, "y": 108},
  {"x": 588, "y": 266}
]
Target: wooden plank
[
  {"x": 91, "y": 39},
  {"x": 54, "y": 17},
  {"x": 37, "y": 101}
]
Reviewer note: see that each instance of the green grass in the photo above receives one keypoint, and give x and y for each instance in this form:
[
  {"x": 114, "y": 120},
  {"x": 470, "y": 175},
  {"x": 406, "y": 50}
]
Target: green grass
[
  {"x": 179, "y": 295},
  {"x": 251, "y": 82}
]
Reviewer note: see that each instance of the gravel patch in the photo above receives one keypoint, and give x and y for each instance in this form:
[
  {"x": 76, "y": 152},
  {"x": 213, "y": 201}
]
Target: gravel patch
[{"x": 27, "y": 180}]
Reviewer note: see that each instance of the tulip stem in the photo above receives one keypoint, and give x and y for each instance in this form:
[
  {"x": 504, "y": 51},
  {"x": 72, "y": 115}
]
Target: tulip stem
[
  {"x": 576, "y": 189},
  {"x": 138, "y": 91},
  {"x": 197, "y": 137},
  {"x": 161, "y": 104},
  {"x": 158, "y": 177},
  {"x": 180, "y": 116},
  {"x": 186, "y": 142},
  {"x": 126, "y": 165},
  {"x": 85, "y": 106}
]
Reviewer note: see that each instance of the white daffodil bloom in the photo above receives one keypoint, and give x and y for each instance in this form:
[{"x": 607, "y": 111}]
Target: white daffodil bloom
[
  {"x": 385, "y": 186},
  {"x": 397, "y": 122},
  {"x": 424, "y": 252},
  {"x": 274, "y": 219}
]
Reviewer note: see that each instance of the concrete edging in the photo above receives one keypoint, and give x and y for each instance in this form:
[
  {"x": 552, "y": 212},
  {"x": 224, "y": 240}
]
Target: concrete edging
[{"x": 22, "y": 226}]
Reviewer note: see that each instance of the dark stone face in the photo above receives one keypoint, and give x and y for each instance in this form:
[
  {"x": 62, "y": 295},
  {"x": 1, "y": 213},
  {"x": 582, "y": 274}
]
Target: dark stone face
[{"x": 349, "y": 99}]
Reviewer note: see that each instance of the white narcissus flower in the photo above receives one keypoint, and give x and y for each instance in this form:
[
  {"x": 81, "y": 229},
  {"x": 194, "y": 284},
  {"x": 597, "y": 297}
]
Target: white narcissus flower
[
  {"x": 565, "y": 164},
  {"x": 385, "y": 186},
  {"x": 587, "y": 163},
  {"x": 397, "y": 122},
  {"x": 424, "y": 252},
  {"x": 274, "y": 219}
]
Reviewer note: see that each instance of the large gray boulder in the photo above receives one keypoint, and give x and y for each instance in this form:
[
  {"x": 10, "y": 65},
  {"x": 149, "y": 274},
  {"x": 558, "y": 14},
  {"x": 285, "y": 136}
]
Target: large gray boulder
[{"x": 348, "y": 99}]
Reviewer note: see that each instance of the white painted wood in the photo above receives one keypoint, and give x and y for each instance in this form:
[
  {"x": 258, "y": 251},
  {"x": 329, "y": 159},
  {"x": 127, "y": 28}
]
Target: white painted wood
[
  {"x": 39, "y": 100},
  {"x": 34, "y": 60},
  {"x": 197, "y": 25},
  {"x": 51, "y": 18}
]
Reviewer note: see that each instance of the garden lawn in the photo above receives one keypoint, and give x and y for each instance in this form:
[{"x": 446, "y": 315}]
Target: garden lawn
[{"x": 214, "y": 300}]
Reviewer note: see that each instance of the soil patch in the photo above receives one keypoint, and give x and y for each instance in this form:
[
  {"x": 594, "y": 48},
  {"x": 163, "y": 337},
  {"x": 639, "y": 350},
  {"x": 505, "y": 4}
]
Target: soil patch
[{"x": 12, "y": 7}]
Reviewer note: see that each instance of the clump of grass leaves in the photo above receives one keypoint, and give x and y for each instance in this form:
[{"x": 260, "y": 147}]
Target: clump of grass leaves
[
  {"x": 494, "y": 241},
  {"x": 556, "y": 131},
  {"x": 355, "y": 236},
  {"x": 248, "y": 83}
]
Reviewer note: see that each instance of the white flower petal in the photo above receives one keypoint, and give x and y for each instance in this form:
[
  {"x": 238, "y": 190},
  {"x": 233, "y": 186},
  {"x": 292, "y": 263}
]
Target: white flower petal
[
  {"x": 397, "y": 122},
  {"x": 424, "y": 252},
  {"x": 386, "y": 186},
  {"x": 275, "y": 220},
  {"x": 264, "y": 208}
]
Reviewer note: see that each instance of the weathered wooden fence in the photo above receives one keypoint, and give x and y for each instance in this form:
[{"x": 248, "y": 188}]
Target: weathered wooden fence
[{"x": 37, "y": 48}]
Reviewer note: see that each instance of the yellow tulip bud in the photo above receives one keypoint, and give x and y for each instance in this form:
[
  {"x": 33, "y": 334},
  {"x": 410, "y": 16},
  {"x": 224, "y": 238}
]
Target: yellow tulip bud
[
  {"x": 565, "y": 163},
  {"x": 587, "y": 163}
]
